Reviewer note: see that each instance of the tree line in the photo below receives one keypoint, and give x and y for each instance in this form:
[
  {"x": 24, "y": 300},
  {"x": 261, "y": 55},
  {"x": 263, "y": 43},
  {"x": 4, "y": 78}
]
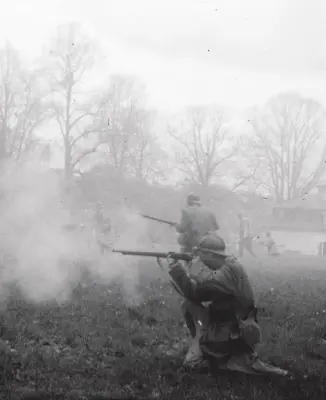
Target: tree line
[{"x": 280, "y": 147}]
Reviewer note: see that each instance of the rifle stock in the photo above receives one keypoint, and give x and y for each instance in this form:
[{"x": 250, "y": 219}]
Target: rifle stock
[{"x": 177, "y": 256}]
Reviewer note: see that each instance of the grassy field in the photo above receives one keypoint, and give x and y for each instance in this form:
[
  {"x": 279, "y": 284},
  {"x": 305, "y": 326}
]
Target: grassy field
[{"x": 97, "y": 347}]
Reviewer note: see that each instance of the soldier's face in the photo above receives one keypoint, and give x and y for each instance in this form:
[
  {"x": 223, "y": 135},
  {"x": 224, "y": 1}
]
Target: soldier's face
[
  {"x": 213, "y": 261},
  {"x": 218, "y": 260}
]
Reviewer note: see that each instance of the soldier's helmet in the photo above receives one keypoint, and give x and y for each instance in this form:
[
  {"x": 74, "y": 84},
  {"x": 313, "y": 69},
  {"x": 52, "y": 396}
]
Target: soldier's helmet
[
  {"x": 193, "y": 199},
  {"x": 213, "y": 244}
]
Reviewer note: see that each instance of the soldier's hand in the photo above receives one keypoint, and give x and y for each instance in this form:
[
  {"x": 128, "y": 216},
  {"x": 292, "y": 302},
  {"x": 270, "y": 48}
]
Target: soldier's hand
[{"x": 171, "y": 260}]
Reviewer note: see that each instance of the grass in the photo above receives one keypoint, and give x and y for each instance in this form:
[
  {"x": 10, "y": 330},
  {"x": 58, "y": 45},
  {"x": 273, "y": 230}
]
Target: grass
[{"x": 98, "y": 347}]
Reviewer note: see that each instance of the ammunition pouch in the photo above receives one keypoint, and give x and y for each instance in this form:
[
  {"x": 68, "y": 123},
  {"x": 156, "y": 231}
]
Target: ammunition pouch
[
  {"x": 246, "y": 329},
  {"x": 250, "y": 331}
]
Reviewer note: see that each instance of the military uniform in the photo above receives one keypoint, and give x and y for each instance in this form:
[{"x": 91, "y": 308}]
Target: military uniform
[
  {"x": 220, "y": 312},
  {"x": 196, "y": 222}
]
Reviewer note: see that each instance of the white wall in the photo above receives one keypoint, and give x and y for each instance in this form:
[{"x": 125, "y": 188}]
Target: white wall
[{"x": 305, "y": 242}]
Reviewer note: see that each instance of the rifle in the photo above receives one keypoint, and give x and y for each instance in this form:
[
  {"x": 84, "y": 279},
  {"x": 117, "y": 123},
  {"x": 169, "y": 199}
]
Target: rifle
[
  {"x": 177, "y": 256},
  {"x": 162, "y": 221}
]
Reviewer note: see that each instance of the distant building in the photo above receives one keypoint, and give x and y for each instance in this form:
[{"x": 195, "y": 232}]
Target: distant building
[{"x": 300, "y": 225}]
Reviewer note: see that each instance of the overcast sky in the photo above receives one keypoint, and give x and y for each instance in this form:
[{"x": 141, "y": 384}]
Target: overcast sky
[{"x": 233, "y": 52}]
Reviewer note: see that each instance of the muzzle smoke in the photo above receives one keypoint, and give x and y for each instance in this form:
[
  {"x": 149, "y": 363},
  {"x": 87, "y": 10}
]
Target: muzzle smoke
[{"x": 41, "y": 257}]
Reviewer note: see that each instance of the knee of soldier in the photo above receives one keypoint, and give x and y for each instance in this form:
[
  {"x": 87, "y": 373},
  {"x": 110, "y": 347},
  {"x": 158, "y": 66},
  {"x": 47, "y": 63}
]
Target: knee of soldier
[{"x": 250, "y": 332}]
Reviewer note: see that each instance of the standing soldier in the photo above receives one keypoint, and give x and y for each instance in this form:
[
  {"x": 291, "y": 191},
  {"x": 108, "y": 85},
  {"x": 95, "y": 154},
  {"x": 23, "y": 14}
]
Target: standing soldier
[
  {"x": 196, "y": 222},
  {"x": 245, "y": 237},
  {"x": 271, "y": 245}
]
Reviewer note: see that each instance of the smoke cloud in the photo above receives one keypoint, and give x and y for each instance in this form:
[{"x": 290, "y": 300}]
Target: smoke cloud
[{"x": 41, "y": 257}]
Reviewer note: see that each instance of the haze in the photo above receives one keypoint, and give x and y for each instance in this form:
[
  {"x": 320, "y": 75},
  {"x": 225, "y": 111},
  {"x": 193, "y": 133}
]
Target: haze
[
  {"x": 254, "y": 70},
  {"x": 233, "y": 52}
]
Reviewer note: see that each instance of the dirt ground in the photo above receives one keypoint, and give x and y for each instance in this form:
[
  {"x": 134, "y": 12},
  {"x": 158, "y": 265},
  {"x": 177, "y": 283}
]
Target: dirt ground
[{"x": 98, "y": 347}]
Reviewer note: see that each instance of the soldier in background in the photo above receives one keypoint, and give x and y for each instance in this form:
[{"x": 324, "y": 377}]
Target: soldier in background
[
  {"x": 102, "y": 221},
  {"x": 245, "y": 236},
  {"x": 196, "y": 222},
  {"x": 271, "y": 245}
]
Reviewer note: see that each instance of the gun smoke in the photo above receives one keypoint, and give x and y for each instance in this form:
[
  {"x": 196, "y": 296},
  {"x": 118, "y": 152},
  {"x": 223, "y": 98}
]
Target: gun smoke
[{"x": 41, "y": 257}]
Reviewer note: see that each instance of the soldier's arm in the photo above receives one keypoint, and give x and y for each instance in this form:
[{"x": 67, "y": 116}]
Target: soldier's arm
[
  {"x": 187, "y": 285},
  {"x": 190, "y": 287},
  {"x": 196, "y": 291}
]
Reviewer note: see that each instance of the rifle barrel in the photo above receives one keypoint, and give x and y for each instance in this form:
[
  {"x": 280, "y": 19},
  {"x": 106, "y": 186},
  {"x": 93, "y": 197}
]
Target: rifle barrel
[
  {"x": 141, "y": 253},
  {"x": 157, "y": 254},
  {"x": 163, "y": 221}
]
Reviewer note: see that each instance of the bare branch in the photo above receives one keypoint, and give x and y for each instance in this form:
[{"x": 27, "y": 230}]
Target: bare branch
[
  {"x": 288, "y": 132},
  {"x": 71, "y": 57},
  {"x": 22, "y": 107},
  {"x": 84, "y": 154},
  {"x": 203, "y": 144}
]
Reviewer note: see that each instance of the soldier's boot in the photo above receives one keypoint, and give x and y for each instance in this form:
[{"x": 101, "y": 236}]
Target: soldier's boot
[
  {"x": 264, "y": 368},
  {"x": 194, "y": 357},
  {"x": 251, "y": 364}
]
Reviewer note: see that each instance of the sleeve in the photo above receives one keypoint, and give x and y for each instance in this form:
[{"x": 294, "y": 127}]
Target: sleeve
[
  {"x": 196, "y": 291},
  {"x": 187, "y": 285},
  {"x": 229, "y": 282},
  {"x": 182, "y": 227}
]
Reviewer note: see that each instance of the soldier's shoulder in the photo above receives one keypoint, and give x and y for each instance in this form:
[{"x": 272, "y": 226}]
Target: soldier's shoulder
[
  {"x": 232, "y": 261},
  {"x": 231, "y": 258},
  {"x": 235, "y": 265}
]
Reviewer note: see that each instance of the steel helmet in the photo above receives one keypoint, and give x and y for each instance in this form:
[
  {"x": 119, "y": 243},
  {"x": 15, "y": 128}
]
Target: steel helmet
[
  {"x": 213, "y": 244},
  {"x": 193, "y": 199}
]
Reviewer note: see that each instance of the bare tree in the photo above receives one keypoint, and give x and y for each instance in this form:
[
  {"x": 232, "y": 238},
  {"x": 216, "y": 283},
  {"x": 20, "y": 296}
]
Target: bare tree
[
  {"x": 145, "y": 156},
  {"x": 22, "y": 105},
  {"x": 240, "y": 174},
  {"x": 78, "y": 115},
  {"x": 131, "y": 147},
  {"x": 123, "y": 97},
  {"x": 289, "y": 137},
  {"x": 205, "y": 145}
]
